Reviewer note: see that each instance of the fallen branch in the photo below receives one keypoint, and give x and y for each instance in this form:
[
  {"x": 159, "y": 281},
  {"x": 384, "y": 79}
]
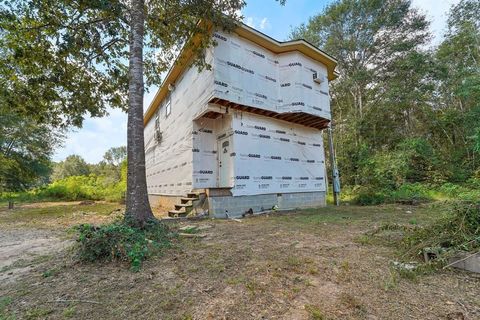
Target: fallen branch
[
  {"x": 192, "y": 235},
  {"x": 74, "y": 300}
]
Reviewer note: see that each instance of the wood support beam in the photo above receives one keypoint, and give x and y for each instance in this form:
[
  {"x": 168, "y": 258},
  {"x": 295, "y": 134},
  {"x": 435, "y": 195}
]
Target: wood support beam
[{"x": 301, "y": 118}]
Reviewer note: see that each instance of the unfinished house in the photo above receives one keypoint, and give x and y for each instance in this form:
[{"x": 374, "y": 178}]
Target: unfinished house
[{"x": 245, "y": 136}]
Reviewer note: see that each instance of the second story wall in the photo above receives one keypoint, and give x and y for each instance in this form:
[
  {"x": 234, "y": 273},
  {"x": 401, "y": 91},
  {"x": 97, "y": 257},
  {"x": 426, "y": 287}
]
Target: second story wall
[
  {"x": 248, "y": 74},
  {"x": 168, "y": 134}
]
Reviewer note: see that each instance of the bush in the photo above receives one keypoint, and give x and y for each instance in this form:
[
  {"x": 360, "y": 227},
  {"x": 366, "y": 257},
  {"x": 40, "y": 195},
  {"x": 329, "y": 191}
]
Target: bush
[
  {"x": 367, "y": 196},
  {"x": 121, "y": 242},
  {"x": 411, "y": 161},
  {"x": 458, "y": 230},
  {"x": 411, "y": 192},
  {"x": 73, "y": 188},
  {"x": 91, "y": 187}
]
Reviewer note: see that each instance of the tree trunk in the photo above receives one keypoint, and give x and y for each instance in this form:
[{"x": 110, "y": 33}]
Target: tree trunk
[{"x": 138, "y": 210}]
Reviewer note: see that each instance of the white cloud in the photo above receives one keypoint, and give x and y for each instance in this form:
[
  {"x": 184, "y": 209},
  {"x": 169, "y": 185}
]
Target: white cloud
[
  {"x": 264, "y": 24},
  {"x": 437, "y": 13},
  {"x": 257, "y": 23},
  {"x": 97, "y": 136},
  {"x": 249, "y": 22}
]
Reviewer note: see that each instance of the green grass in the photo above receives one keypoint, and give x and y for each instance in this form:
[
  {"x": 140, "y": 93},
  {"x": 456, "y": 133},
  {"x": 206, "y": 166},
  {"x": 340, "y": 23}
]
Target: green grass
[
  {"x": 315, "y": 313},
  {"x": 63, "y": 211},
  {"x": 345, "y": 214},
  {"x": 4, "y": 312},
  {"x": 421, "y": 192}
]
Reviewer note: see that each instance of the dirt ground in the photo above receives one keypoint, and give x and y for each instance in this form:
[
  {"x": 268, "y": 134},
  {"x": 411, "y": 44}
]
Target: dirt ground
[{"x": 312, "y": 264}]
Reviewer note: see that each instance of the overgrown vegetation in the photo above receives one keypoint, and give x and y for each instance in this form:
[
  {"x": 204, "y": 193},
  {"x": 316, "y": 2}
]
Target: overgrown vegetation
[
  {"x": 458, "y": 230},
  {"x": 412, "y": 193},
  {"x": 121, "y": 242},
  {"x": 76, "y": 180},
  {"x": 451, "y": 229}
]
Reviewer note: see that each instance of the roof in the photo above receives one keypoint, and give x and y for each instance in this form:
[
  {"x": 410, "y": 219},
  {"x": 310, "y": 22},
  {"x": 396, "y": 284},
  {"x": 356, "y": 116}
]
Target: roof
[{"x": 256, "y": 37}]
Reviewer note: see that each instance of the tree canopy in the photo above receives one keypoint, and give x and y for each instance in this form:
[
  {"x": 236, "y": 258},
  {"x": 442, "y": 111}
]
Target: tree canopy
[
  {"x": 25, "y": 151},
  {"x": 63, "y": 60},
  {"x": 73, "y": 165},
  {"x": 403, "y": 111}
]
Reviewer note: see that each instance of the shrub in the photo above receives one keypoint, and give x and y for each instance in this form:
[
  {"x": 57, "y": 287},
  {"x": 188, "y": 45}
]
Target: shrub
[
  {"x": 412, "y": 161},
  {"x": 459, "y": 229},
  {"x": 412, "y": 191},
  {"x": 121, "y": 242},
  {"x": 367, "y": 196}
]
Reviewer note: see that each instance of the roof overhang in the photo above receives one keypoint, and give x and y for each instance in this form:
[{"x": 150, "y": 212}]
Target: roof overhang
[{"x": 252, "y": 35}]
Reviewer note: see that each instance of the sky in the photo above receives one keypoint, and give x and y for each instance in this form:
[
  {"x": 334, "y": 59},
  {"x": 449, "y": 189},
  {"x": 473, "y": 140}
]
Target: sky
[{"x": 100, "y": 134}]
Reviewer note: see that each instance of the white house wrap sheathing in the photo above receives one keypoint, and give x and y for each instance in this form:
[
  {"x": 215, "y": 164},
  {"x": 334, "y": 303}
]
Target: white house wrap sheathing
[
  {"x": 273, "y": 156},
  {"x": 248, "y": 74},
  {"x": 205, "y": 163},
  {"x": 267, "y": 155},
  {"x": 169, "y": 162}
]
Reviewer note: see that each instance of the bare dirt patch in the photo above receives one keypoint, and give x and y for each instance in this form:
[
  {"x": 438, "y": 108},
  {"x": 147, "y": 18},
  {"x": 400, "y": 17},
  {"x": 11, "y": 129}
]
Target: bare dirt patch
[
  {"x": 309, "y": 265},
  {"x": 22, "y": 249}
]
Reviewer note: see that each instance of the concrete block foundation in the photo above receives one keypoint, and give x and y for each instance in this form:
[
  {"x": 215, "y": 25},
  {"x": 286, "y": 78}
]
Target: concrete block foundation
[{"x": 220, "y": 206}]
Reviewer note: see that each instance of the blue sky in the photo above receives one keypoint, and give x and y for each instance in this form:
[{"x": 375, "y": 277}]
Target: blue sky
[{"x": 99, "y": 134}]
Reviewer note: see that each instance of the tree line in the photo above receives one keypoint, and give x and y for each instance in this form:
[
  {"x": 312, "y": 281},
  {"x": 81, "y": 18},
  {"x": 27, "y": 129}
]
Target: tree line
[
  {"x": 30, "y": 177},
  {"x": 405, "y": 110}
]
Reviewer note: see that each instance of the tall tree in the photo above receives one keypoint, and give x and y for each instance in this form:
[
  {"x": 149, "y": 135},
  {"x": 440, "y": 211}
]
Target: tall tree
[
  {"x": 25, "y": 151},
  {"x": 378, "y": 45},
  {"x": 457, "y": 112},
  {"x": 115, "y": 155},
  {"x": 61, "y": 60},
  {"x": 138, "y": 207},
  {"x": 73, "y": 165}
]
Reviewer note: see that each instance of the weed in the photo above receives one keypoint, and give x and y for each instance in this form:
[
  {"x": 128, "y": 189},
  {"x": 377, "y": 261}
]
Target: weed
[
  {"x": 344, "y": 273},
  {"x": 37, "y": 313},
  {"x": 48, "y": 273},
  {"x": 252, "y": 286},
  {"x": 407, "y": 274},
  {"x": 4, "y": 313},
  {"x": 294, "y": 261},
  {"x": 353, "y": 303},
  {"x": 234, "y": 281},
  {"x": 69, "y": 312},
  {"x": 121, "y": 242},
  {"x": 364, "y": 239},
  {"x": 191, "y": 230},
  {"x": 392, "y": 281},
  {"x": 315, "y": 313},
  {"x": 313, "y": 271},
  {"x": 458, "y": 230}
]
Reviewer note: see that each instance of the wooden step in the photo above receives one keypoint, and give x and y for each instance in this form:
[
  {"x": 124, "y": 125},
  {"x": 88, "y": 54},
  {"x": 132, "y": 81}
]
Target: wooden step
[
  {"x": 183, "y": 205},
  {"x": 188, "y": 199},
  {"x": 186, "y": 206},
  {"x": 177, "y": 213}
]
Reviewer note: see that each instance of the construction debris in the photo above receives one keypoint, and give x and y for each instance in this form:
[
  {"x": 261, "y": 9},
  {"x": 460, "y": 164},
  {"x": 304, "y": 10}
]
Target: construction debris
[{"x": 466, "y": 262}]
